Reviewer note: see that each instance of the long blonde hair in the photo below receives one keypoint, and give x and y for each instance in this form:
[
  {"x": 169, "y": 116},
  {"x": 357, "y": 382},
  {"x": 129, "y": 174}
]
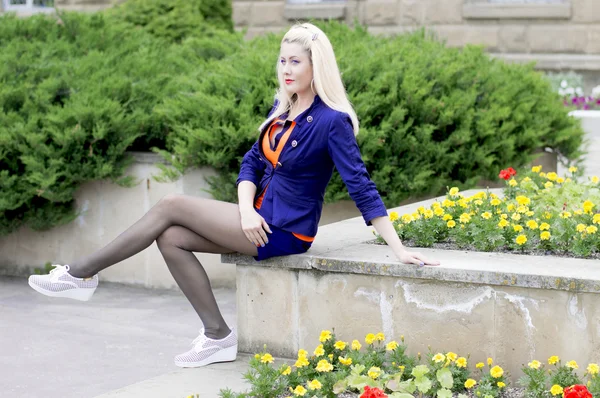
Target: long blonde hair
[{"x": 326, "y": 74}]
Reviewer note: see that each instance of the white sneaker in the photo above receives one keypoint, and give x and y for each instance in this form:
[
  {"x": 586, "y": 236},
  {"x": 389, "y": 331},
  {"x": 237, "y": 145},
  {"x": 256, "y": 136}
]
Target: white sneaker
[
  {"x": 59, "y": 283},
  {"x": 206, "y": 351}
]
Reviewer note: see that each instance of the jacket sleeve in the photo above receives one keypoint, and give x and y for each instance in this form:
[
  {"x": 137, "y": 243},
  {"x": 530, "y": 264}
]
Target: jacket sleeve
[
  {"x": 345, "y": 154},
  {"x": 252, "y": 167}
]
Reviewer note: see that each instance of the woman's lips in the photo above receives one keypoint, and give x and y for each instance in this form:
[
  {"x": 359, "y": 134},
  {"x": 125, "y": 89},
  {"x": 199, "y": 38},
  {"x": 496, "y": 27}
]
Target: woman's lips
[{"x": 288, "y": 81}]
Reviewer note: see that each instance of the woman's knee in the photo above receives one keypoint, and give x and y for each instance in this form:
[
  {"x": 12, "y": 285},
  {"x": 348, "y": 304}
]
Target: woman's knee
[{"x": 169, "y": 238}]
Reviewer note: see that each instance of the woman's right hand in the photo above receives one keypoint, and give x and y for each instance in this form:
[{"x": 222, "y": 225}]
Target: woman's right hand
[{"x": 254, "y": 227}]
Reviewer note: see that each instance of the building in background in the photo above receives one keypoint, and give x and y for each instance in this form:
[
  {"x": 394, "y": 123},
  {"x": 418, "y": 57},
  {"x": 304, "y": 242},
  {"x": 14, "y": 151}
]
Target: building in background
[{"x": 560, "y": 35}]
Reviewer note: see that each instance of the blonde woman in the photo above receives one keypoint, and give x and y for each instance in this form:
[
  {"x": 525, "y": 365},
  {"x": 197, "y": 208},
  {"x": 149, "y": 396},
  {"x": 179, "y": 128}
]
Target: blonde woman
[{"x": 310, "y": 130}]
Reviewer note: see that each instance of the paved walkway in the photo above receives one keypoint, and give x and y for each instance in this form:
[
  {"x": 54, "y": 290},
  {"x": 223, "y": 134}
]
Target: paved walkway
[{"x": 119, "y": 344}]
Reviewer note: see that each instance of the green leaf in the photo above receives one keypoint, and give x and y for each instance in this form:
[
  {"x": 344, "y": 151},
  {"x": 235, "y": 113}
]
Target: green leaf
[
  {"x": 420, "y": 370},
  {"x": 339, "y": 387},
  {"x": 444, "y": 376},
  {"x": 423, "y": 384},
  {"x": 444, "y": 393}
]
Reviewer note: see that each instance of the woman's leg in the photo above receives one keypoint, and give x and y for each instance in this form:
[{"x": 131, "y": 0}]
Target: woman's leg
[
  {"x": 215, "y": 221},
  {"x": 180, "y": 225},
  {"x": 177, "y": 245}
]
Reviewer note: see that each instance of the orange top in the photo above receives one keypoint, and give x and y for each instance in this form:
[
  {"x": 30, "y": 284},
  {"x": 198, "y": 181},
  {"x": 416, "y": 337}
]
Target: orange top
[{"x": 273, "y": 157}]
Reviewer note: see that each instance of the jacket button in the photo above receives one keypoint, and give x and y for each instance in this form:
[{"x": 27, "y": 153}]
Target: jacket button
[
  {"x": 294, "y": 143},
  {"x": 309, "y": 119}
]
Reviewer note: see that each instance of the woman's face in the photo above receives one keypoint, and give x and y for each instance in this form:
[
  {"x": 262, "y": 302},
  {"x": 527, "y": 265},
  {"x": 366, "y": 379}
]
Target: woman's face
[{"x": 295, "y": 69}]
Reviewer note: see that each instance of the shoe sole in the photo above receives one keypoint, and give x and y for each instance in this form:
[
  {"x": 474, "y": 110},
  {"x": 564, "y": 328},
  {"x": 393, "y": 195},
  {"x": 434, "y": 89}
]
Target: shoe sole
[
  {"x": 228, "y": 354},
  {"x": 80, "y": 294}
]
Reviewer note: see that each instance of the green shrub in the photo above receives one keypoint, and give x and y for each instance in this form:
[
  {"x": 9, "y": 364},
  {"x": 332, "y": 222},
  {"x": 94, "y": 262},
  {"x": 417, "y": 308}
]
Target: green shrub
[{"x": 75, "y": 96}]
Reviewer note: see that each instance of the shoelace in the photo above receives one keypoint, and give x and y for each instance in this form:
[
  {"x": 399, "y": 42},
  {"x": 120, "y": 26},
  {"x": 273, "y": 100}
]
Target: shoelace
[
  {"x": 58, "y": 271},
  {"x": 200, "y": 339}
]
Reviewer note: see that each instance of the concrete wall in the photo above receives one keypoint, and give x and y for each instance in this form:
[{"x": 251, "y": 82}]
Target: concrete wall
[{"x": 590, "y": 120}]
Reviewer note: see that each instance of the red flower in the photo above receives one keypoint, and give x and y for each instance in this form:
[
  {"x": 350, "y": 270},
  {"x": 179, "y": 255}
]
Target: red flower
[
  {"x": 577, "y": 391},
  {"x": 511, "y": 171},
  {"x": 373, "y": 393},
  {"x": 505, "y": 175}
]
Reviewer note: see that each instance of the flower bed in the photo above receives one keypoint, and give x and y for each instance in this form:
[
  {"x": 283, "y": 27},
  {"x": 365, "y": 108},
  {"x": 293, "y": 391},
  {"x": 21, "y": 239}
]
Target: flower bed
[
  {"x": 378, "y": 369},
  {"x": 539, "y": 213}
]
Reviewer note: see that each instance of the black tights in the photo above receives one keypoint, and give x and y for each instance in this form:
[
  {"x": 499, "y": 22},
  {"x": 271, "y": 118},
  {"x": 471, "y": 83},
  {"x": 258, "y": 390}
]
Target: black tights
[{"x": 180, "y": 225}]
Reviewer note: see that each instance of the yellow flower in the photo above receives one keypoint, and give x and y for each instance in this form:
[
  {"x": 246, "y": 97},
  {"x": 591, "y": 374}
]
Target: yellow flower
[
  {"x": 439, "y": 212},
  {"x": 461, "y": 362},
  {"x": 319, "y": 350},
  {"x": 380, "y": 336},
  {"x": 556, "y": 390},
  {"x": 565, "y": 214},
  {"x": 324, "y": 366},
  {"x": 516, "y": 217},
  {"x": 302, "y": 353},
  {"x": 330, "y": 356},
  {"x": 542, "y": 174},
  {"x": 464, "y": 218},
  {"x": 256, "y": 356},
  {"x": 470, "y": 383},
  {"x": 572, "y": 169},
  {"x": 439, "y": 357},
  {"x": 300, "y": 391},
  {"x": 544, "y": 226},
  {"x": 287, "y": 370},
  {"x": 314, "y": 385},
  {"x": 503, "y": 223},
  {"x": 593, "y": 369},
  {"x": 490, "y": 361},
  {"x": 374, "y": 372},
  {"x": 391, "y": 346},
  {"x": 345, "y": 361},
  {"x": 595, "y": 179},
  {"x": 547, "y": 215},
  {"x": 552, "y": 176},
  {"x": 531, "y": 224},
  {"x": 340, "y": 345},
  {"x": 596, "y": 219},
  {"x": 451, "y": 224},
  {"x": 421, "y": 210},
  {"x": 535, "y": 364},
  {"x": 513, "y": 182},
  {"x": 487, "y": 215},
  {"x": 517, "y": 228},
  {"x": 453, "y": 191},
  {"x": 523, "y": 209},
  {"x": 572, "y": 365},
  {"x": 548, "y": 185},
  {"x": 578, "y": 212},
  {"x": 545, "y": 235},
  {"x": 568, "y": 179},
  {"x": 496, "y": 371},
  {"x": 478, "y": 202},
  {"x": 428, "y": 214},
  {"x": 451, "y": 356},
  {"x": 560, "y": 180},
  {"x": 479, "y": 365},
  {"x": 301, "y": 362},
  {"x": 536, "y": 169},
  {"x": 501, "y": 384},
  {"x": 325, "y": 335},
  {"x": 592, "y": 229},
  {"x": 495, "y": 202},
  {"x": 369, "y": 338},
  {"x": 447, "y": 217},
  {"x": 407, "y": 218},
  {"x": 356, "y": 345},
  {"x": 521, "y": 239},
  {"x": 394, "y": 216},
  {"x": 448, "y": 203},
  {"x": 553, "y": 359},
  {"x": 523, "y": 200},
  {"x": 267, "y": 358},
  {"x": 580, "y": 227}
]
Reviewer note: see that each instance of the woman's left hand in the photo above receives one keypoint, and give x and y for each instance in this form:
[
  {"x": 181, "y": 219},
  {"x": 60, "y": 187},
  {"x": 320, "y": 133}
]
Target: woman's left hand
[{"x": 416, "y": 258}]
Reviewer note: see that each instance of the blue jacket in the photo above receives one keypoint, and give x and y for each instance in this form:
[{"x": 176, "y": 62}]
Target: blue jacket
[{"x": 322, "y": 138}]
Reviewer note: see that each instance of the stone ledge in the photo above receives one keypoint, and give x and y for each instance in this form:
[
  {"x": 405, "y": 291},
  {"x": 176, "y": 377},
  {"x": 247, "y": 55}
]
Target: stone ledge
[
  {"x": 516, "y": 11},
  {"x": 555, "y": 61},
  {"x": 342, "y": 248},
  {"x": 315, "y": 11}
]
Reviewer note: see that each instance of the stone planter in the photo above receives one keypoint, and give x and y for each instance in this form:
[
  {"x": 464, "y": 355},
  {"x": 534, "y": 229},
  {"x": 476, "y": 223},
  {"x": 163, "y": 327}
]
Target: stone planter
[
  {"x": 590, "y": 121},
  {"x": 514, "y": 308}
]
